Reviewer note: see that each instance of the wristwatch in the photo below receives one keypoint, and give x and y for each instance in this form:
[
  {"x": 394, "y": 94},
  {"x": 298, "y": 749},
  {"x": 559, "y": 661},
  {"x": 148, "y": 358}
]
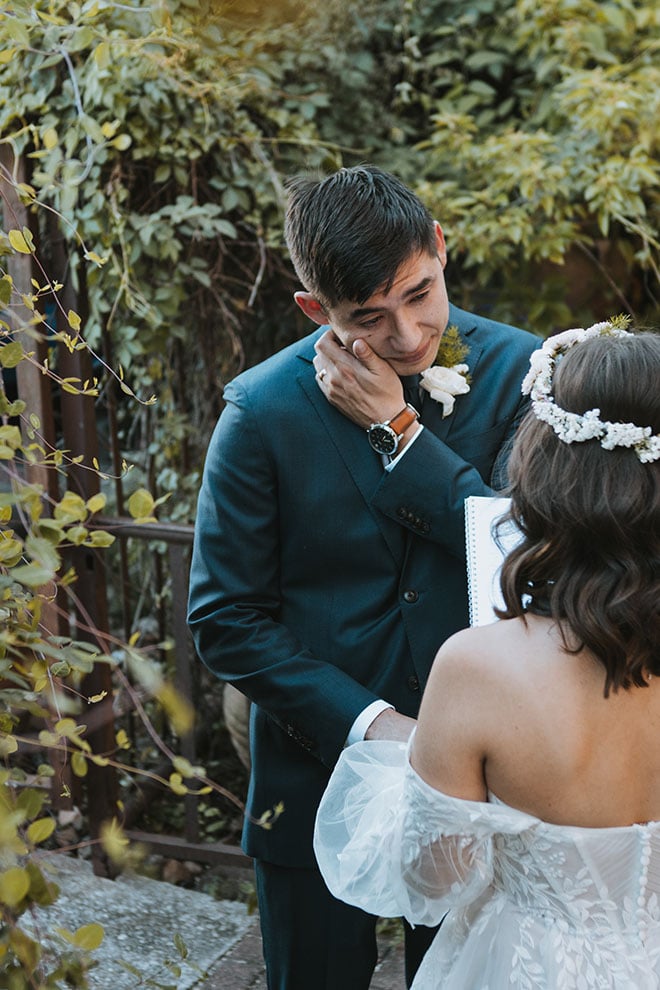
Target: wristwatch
[{"x": 385, "y": 437}]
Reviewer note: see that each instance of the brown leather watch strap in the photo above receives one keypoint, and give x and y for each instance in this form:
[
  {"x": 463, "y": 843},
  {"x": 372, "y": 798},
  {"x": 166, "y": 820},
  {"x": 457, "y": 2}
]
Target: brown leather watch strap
[{"x": 403, "y": 419}]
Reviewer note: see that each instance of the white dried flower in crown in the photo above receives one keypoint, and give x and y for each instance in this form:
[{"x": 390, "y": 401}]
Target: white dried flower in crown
[{"x": 573, "y": 427}]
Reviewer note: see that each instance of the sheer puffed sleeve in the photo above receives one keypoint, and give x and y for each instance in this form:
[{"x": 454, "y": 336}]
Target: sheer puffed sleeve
[{"x": 392, "y": 845}]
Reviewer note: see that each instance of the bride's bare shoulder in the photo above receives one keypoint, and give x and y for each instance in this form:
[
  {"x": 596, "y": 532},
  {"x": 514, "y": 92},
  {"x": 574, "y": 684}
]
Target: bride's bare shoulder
[
  {"x": 478, "y": 687},
  {"x": 507, "y": 659},
  {"x": 509, "y": 640}
]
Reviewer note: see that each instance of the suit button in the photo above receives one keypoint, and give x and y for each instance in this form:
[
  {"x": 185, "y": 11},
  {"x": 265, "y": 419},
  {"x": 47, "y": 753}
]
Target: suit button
[
  {"x": 413, "y": 683},
  {"x": 410, "y": 596}
]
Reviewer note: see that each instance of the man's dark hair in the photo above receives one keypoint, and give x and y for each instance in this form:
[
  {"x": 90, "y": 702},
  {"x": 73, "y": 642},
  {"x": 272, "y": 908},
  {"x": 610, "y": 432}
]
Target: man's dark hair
[
  {"x": 590, "y": 518},
  {"x": 349, "y": 233}
]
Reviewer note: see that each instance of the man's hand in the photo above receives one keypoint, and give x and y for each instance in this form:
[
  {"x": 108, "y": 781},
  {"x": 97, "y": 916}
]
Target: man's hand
[
  {"x": 358, "y": 383},
  {"x": 391, "y": 725}
]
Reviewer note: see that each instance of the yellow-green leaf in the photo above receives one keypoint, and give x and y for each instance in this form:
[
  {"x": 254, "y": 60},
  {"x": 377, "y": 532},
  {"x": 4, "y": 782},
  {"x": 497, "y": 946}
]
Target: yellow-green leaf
[
  {"x": 61, "y": 669},
  {"x": 8, "y": 745},
  {"x": 96, "y": 258},
  {"x": 33, "y": 575},
  {"x": 122, "y": 740},
  {"x": 26, "y": 950},
  {"x": 50, "y": 138},
  {"x": 70, "y": 729},
  {"x": 141, "y": 504},
  {"x": 40, "y": 830},
  {"x": 79, "y": 764},
  {"x": 42, "y": 891},
  {"x": 22, "y": 241},
  {"x": 186, "y": 769},
  {"x": 102, "y": 55},
  {"x": 10, "y": 552},
  {"x": 5, "y": 289},
  {"x": 71, "y": 508},
  {"x": 14, "y": 885},
  {"x": 10, "y": 435},
  {"x": 77, "y": 534},
  {"x": 89, "y": 937},
  {"x": 42, "y": 552},
  {"x": 99, "y": 538},
  {"x": 96, "y": 502},
  {"x": 48, "y": 738},
  {"x": 177, "y": 785},
  {"x": 74, "y": 320},
  {"x": 11, "y": 354}
]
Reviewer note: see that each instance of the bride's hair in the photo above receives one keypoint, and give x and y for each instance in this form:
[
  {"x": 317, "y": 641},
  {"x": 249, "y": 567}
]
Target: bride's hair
[{"x": 590, "y": 517}]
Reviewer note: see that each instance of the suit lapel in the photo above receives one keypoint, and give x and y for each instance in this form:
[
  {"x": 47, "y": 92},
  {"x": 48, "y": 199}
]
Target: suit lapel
[
  {"x": 463, "y": 408},
  {"x": 349, "y": 442}
]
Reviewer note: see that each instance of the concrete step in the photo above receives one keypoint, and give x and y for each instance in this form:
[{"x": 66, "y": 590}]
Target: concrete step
[{"x": 144, "y": 919}]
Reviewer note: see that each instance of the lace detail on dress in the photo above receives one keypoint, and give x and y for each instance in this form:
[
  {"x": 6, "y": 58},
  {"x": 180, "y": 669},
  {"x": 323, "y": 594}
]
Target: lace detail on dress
[
  {"x": 532, "y": 906},
  {"x": 555, "y": 879}
]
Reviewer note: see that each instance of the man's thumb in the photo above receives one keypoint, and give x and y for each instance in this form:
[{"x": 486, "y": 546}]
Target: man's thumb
[{"x": 362, "y": 351}]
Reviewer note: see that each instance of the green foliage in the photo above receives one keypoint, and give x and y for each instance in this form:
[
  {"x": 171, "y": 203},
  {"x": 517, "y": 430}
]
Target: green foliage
[
  {"x": 541, "y": 152},
  {"x": 23, "y": 885},
  {"x": 159, "y": 134},
  {"x": 528, "y": 127}
]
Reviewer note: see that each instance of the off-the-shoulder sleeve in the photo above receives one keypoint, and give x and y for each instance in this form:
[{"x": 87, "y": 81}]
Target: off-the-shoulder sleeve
[{"x": 387, "y": 842}]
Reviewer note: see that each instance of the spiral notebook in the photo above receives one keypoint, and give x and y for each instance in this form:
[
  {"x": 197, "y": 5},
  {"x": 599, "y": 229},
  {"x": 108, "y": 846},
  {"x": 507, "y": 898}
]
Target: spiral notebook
[{"x": 485, "y": 554}]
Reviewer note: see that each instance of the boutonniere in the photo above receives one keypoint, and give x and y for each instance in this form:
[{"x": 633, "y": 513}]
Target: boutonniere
[{"x": 448, "y": 376}]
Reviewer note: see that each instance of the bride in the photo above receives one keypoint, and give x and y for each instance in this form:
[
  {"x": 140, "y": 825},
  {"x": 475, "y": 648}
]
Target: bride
[{"x": 526, "y": 806}]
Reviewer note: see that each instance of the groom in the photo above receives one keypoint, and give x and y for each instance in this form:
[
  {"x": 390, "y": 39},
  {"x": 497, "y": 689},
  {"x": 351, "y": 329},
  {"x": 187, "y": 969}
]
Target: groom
[{"x": 328, "y": 564}]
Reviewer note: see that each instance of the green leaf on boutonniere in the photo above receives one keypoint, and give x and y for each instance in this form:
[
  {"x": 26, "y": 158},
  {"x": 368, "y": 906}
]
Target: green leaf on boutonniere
[
  {"x": 448, "y": 376},
  {"x": 453, "y": 349}
]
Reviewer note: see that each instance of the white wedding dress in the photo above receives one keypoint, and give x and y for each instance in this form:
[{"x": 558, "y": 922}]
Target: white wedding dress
[{"x": 531, "y": 905}]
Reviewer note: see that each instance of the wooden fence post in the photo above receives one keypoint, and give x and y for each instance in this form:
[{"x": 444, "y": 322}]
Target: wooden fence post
[
  {"x": 92, "y": 621},
  {"x": 34, "y": 388}
]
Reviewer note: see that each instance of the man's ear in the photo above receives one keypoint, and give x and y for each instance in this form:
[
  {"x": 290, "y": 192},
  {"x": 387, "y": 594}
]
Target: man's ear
[
  {"x": 440, "y": 244},
  {"x": 311, "y": 307}
]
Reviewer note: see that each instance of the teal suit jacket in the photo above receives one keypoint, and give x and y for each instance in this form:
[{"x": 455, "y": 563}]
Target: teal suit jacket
[{"x": 321, "y": 582}]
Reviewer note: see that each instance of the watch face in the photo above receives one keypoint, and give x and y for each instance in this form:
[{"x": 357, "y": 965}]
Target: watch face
[{"x": 383, "y": 439}]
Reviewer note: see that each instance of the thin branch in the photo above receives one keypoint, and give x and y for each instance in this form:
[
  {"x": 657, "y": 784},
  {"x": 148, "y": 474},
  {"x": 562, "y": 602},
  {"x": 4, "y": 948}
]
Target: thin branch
[
  {"x": 260, "y": 273},
  {"x": 608, "y": 278}
]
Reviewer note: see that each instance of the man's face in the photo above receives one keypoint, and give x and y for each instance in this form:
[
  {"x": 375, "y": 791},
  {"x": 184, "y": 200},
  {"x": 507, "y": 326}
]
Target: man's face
[{"x": 403, "y": 325}]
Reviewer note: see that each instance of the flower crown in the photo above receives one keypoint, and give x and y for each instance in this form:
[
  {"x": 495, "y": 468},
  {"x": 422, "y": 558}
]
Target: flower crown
[{"x": 573, "y": 427}]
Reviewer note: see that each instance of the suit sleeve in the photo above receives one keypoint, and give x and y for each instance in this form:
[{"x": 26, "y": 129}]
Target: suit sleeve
[
  {"x": 235, "y": 602},
  {"x": 426, "y": 491},
  {"x": 432, "y": 509}
]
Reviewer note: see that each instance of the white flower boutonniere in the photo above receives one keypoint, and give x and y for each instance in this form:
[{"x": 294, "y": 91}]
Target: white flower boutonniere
[
  {"x": 444, "y": 384},
  {"x": 448, "y": 376}
]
